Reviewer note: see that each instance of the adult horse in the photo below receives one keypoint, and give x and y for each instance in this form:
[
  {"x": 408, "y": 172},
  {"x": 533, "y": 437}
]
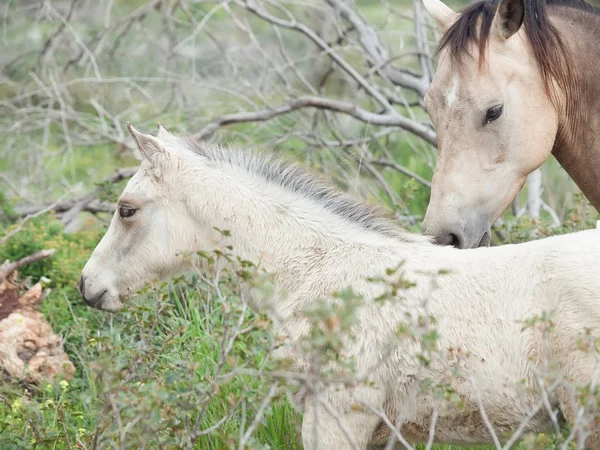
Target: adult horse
[
  {"x": 516, "y": 81},
  {"x": 318, "y": 241}
]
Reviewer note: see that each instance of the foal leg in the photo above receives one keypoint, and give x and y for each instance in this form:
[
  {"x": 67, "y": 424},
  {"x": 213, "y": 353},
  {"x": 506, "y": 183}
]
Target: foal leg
[
  {"x": 583, "y": 418},
  {"x": 344, "y": 420},
  {"x": 580, "y": 423}
]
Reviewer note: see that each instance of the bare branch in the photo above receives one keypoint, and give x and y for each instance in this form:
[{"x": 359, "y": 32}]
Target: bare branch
[
  {"x": 40, "y": 212},
  {"x": 377, "y": 52},
  {"x": 70, "y": 209},
  {"x": 7, "y": 268},
  {"x": 401, "y": 169},
  {"x": 389, "y": 120},
  {"x": 484, "y": 416},
  {"x": 338, "y": 420},
  {"x": 93, "y": 207},
  {"x": 253, "y": 7}
]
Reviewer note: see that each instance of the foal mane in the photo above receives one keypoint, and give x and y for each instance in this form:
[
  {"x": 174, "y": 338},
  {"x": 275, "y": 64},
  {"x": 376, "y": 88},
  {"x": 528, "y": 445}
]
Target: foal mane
[
  {"x": 550, "y": 52},
  {"x": 293, "y": 178}
]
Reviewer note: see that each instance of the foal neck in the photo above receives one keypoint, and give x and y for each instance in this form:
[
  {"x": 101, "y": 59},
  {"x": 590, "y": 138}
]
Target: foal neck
[
  {"x": 579, "y": 151},
  {"x": 269, "y": 223}
]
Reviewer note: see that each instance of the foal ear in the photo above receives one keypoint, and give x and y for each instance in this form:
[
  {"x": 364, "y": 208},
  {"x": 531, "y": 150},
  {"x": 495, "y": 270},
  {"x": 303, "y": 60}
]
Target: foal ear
[
  {"x": 509, "y": 18},
  {"x": 163, "y": 133},
  {"x": 443, "y": 15},
  {"x": 148, "y": 145}
]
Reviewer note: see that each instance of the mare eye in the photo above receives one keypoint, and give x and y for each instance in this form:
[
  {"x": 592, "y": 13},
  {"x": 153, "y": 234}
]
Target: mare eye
[
  {"x": 493, "y": 114},
  {"x": 126, "y": 211}
]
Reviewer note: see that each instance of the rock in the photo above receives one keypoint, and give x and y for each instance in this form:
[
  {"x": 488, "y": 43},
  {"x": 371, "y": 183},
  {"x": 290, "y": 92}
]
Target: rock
[{"x": 29, "y": 350}]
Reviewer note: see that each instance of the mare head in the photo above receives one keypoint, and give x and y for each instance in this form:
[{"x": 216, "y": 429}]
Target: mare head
[
  {"x": 494, "y": 102},
  {"x": 148, "y": 232}
]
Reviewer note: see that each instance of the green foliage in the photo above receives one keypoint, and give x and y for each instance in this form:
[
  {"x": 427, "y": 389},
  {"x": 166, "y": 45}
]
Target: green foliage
[
  {"x": 579, "y": 216},
  {"x": 7, "y": 213},
  {"x": 155, "y": 375},
  {"x": 46, "y": 232}
]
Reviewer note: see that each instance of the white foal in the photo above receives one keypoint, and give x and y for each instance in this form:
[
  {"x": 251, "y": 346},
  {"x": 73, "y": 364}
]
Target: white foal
[{"x": 318, "y": 241}]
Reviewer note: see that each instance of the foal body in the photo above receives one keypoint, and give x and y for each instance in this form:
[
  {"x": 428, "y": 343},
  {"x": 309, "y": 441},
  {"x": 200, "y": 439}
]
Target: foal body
[
  {"x": 481, "y": 307},
  {"x": 317, "y": 241}
]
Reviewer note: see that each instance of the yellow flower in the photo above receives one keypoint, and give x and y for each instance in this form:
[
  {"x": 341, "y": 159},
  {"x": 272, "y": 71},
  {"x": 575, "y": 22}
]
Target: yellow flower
[
  {"x": 81, "y": 431},
  {"x": 49, "y": 388},
  {"x": 64, "y": 384},
  {"x": 16, "y": 405},
  {"x": 49, "y": 402}
]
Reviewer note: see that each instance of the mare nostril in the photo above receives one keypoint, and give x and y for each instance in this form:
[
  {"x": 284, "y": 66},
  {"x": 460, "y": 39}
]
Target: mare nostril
[
  {"x": 455, "y": 241},
  {"x": 82, "y": 287},
  {"x": 449, "y": 239}
]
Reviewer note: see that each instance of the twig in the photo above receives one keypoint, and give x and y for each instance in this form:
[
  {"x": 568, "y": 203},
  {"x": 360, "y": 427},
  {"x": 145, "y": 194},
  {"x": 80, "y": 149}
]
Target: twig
[
  {"x": 93, "y": 207},
  {"x": 56, "y": 34},
  {"x": 552, "y": 213},
  {"x": 485, "y": 418},
  {"x": 394, "y": 429},
  {"x": 338, "y": 420},
  {"x": 402, "y": 169},
  {"x": 80, "y": 204},
  {"x": 293, "y": 24},
  {"x": 259, "y": 415},
  {"x": 517, "y": 434},
  {"x": 394, "y": 120},
  {"x": 434, "y": 419},
  {"x": 27, "y": 219},
  {"x": 377, "y": 52},
  {"x": 7, "y": 268}
]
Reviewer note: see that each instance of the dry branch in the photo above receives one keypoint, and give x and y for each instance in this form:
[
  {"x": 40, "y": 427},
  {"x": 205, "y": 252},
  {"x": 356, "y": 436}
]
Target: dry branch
[
  {"x": 401, "y": 169},
  {"x": 94, "y": 207},
  {"x": 8, "y": 268},
  {"x": 259, "y": 74},
  {"x": 378, "y": 53},
  {"x": 29, "y": 215},
  {"x": 388, "y": 120},
  {"x": 293, "y": 24},
  {"x": 69, "y": 209}
]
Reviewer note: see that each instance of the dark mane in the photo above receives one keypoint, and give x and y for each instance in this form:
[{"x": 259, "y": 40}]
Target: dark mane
[
  {"x": 474, "y": 25},
  {"x": 294, "y": 178}
]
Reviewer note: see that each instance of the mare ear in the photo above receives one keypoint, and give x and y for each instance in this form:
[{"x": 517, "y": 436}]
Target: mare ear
[
  {"x": 148, "y": 145},
  {"x": 443, "y": 15},
  {"x": 509, "y": 18}
]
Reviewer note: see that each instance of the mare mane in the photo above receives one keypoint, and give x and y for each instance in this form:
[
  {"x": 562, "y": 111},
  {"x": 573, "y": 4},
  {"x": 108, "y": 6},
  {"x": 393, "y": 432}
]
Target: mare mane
[{"x": 293, "y": 178}]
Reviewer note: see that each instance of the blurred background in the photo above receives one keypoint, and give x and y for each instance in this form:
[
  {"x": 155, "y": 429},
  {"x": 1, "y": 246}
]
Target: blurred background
[{"x": 303, "y": 78}]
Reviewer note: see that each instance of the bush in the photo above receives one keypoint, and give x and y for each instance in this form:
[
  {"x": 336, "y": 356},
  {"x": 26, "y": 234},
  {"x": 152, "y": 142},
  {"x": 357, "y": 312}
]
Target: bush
[
  {"x": 161, "y": 375},
  {"x": 46, "y": 232}
]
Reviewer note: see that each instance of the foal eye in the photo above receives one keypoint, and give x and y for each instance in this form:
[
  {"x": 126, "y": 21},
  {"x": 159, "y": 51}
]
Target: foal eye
[
  {"x": 126, "y": 211},
  {"x": 493, "y": 114}
]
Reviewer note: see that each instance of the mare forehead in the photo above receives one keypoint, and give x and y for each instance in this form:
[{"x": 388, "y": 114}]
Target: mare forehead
[
  {"x": 465, "y": 87},
  {"x": 452, "y": 91}
]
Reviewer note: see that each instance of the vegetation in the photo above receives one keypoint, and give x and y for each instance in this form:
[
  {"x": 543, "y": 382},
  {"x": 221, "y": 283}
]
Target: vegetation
[{"x": 172, "y": 371}]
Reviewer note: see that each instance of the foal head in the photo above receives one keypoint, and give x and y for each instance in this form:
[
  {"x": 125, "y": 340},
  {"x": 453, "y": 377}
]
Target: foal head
[
  {"x": 493, "y": 103},
  {"x": 148, "y": 232}
]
